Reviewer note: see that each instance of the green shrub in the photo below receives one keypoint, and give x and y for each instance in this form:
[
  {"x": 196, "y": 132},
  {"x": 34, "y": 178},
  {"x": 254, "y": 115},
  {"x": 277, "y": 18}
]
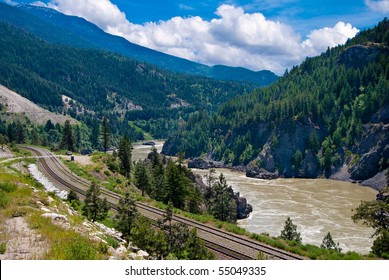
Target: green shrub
[
  {"x": 8, "y": 187},
  {"x": 4, "y": 199},
  {"x": 3, "y": 248}
]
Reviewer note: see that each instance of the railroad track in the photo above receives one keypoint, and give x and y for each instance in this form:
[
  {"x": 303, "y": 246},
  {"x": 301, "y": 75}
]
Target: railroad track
[{"x": 229, "y": 245}]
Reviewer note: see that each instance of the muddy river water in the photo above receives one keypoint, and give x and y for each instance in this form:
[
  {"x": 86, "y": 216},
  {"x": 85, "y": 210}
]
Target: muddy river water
[{"x": 316, "y": 206}]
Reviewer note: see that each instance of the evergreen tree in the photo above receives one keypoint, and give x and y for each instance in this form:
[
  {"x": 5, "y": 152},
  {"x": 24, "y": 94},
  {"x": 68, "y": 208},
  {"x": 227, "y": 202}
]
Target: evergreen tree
[
  {"x": 375, "y": 213},
  {"x": 94, "y": 136},
  {"x": 105, "y": 134},
  {"x": 95, "y": 208},
  {"x": 223, "y": 206},
  {"x": 328, "y": 243},
  {"x": 142, "y": 178},
  {"x": 290, "y": 232},
  {"x": 127, "y": 215},
  {"x": 67, "y": 136},
  {"x": 381, "y": 245},
  {"x": 175, "y": 185},
  {"x": 125, "y": 156}
]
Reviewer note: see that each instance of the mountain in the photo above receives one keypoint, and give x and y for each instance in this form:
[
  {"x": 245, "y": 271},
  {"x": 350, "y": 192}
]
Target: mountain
[
  {"x": 98, "y": 83},
  {"x": 328, "y": 117},
  {"x": 56, "y": 27}
]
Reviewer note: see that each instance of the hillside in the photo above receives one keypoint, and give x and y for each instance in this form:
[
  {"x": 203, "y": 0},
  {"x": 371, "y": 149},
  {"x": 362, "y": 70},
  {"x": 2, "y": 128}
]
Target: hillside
[
  {"x": 58, "y": 28},
  {"x": 14, "y": 106},
  {"x": 105, "y": 84},
  {"x": 327, "y": 117}
]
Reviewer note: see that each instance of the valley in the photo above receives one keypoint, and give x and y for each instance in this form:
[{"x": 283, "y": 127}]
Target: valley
[{"x": 308, "y": 150}]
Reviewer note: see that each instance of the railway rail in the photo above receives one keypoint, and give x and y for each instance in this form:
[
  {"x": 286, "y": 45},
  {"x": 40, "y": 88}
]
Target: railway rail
[{"x": 224, "y": 244}]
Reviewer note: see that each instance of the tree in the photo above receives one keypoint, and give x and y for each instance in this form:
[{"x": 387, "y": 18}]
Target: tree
[
  {"x": 165, "y": 224},
  {"x": 328, "y": 243},
  {"x": 95, "y": 208},
  {"x": 142, "y": 178},
  {"x": 290, "y": 232},
  {"x": 375, "y": 213},
  {"x": 381, "y": 245},
  {"x": 223, "y": 206},
  {"x": 175, "y": 185},
  {"x": 196, "y": 249},
  {"x": 127, "y": 215},
  {"x": 105, "y": 134},
  {"x": 94, "y": 136},
  {"x": 125, "y": 155},
  {"x": 67, "y": 136}
]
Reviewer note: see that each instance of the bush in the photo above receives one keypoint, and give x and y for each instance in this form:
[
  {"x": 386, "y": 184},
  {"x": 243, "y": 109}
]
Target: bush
[
  {"x": 8, "y": 187},
  {"x": 4, "y": 199},
  {"x": 381, "y": 245},
  {"x": 3, "y": 248}
]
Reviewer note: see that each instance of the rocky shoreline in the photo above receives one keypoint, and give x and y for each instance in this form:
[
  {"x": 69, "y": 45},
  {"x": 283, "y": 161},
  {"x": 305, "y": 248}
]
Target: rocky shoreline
[{"x": 377, "y": 182}]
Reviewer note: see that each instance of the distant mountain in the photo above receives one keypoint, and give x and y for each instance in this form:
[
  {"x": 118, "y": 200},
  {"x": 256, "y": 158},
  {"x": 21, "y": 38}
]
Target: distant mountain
[
  {"x": 56, "y": 27},
  {"x": 98, "y": 83},
  {"x": 327, "y": 117}
]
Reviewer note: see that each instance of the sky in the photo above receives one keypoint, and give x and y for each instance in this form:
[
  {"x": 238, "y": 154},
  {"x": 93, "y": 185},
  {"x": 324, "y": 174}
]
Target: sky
[{"x": 256, "y": 34}]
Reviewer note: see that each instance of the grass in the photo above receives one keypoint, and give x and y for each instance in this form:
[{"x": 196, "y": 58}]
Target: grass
[{"x": 21, "y": 201}]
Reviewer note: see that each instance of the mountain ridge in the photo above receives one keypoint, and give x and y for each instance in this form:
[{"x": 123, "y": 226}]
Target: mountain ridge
[
  {"x": 76, "y": 31},
  {"x": 319, "y": 120}
]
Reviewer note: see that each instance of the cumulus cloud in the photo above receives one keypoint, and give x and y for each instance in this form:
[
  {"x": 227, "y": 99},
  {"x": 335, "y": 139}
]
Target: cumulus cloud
[
  {"x": 381, "y": 6},
  {"x": 319, "y": 40},
  {"x": 233, "y": 37}
]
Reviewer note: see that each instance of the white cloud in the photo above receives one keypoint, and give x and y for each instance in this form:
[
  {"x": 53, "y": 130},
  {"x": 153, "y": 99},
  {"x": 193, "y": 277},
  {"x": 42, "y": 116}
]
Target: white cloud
[
  {"x": 319, "y": 40},
  {"x": 381, "y": 6},
  {"x": 233, "y": 37}
]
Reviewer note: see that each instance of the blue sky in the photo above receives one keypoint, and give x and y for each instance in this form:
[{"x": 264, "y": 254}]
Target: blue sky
[{"x": 256, "y": 34}]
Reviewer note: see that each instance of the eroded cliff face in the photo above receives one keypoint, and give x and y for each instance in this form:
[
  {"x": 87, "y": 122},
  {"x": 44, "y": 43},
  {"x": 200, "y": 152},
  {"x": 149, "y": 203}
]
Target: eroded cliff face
[{"x": 287, "y": 153}]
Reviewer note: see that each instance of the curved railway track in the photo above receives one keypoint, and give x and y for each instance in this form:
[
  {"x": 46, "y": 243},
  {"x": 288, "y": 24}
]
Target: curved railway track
[{"x": 229, "y": 245}]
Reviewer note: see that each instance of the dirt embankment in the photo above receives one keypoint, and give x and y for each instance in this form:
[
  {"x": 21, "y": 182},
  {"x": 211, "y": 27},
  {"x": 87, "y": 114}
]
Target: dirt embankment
[{"x": 16, "y": 104}]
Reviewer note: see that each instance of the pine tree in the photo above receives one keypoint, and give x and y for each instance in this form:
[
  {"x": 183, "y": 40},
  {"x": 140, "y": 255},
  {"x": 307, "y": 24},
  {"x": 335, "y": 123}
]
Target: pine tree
[
  {"x": 290, "y": 232},
  {"x": 105, "y": 134},
  {"x": 127, "y": 215},
  {"x": 125, "y": 156},
  {"x": 142, "y": 178},
  {"x": 328, "y": 243},
  {"x": 223, "y": 206},
  {"x": 95, "y": 208},
  {"x": 67, "y": 136}
]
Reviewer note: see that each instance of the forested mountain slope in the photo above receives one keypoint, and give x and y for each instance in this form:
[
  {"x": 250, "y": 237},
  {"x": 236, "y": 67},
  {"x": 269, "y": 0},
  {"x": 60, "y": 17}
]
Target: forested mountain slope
[
  {"x": 58, "y": 28},
  {"x": 101, "y": 84},
  {"x": 327, "y": 117}
]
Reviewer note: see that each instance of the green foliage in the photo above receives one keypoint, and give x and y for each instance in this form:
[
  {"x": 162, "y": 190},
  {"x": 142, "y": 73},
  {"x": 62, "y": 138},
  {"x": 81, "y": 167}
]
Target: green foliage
[
  {"x": 3, "y": 248},
  {"x": 107, "y": 84},
  {"x": 68, "y": 140},
  {"x": 127, "y": 215},
  {"x": 223, "y": 206},
  {"x": 325, "y": 94},
  {"x": 374, "y": 213},
  {"x": 95, "y": 208},
  {"x": 125, "y": 156},
  {"x": 381, "y": 245},
  {"x": 328, "y": 243},
  {"x": 290, "y": 231},
  {"x": 5, "y": 189}
]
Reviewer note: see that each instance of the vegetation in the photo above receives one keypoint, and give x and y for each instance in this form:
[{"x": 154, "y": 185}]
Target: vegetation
[
  {"x": 331, "y": 95},
  {"x": 290, "y": 232},
  {"x": 328, "y": 243},
  {"x": 95, "y": 208},
  {"x": 105, "y": 85},
  {"x": 376, "y": 215}
]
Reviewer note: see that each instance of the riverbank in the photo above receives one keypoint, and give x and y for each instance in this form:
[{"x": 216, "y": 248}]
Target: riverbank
[{"x": 377, "y": 182}]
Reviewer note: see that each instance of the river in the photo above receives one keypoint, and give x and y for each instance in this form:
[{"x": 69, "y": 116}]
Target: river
[{"x": 316, "y": 206}]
